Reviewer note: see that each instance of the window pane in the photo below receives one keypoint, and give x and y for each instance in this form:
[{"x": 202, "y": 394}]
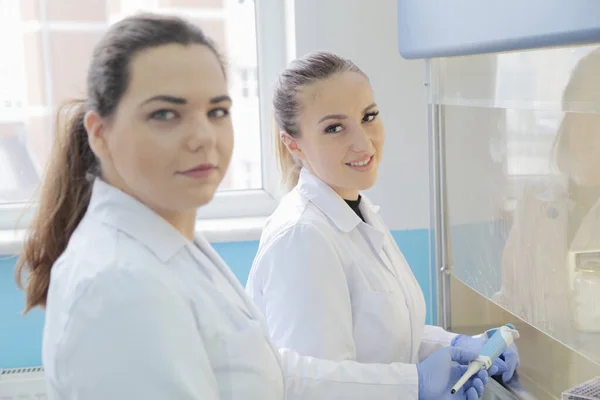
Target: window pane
[{"x": 50, "y": 43}]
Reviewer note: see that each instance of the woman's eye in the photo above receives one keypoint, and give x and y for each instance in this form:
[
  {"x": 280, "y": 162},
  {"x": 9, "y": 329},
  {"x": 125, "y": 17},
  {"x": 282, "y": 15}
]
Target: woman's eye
[
  {"x": 163, "y": 115},
  {"x": 333, "y": 128},
  {"x": 370, "y": 116},
  {"x": 218, "y": 113}
]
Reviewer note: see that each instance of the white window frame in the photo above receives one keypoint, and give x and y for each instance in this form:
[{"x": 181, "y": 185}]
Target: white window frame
[
  {"x": 248, "y": 207},
  {"x": 272, "y": 57}
]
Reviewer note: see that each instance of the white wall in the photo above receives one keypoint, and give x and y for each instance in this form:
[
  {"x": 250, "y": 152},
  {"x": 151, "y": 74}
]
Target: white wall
[{"x": 366, "y": 33}]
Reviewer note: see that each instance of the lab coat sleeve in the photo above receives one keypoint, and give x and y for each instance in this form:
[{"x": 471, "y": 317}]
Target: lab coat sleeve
[
  {"x": 434, "y": 338},
  {"x": 132, "y": 337},
  {"x": 316, "y": 379},
  {"x": 304, "y": 294}
]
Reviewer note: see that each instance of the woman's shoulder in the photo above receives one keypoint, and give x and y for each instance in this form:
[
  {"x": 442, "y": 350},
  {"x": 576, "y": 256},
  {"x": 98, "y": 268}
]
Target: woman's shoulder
[
  {"x": 102, "y": 262},
  {"x": 101, "y": 267},
  {"x": 93, "y": 250},
  {"x": 296, "y": 217}
]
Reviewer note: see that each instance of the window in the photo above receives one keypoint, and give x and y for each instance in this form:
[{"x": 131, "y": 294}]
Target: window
[
  {"x": 249, "y": 82},
  {"x": 49, "y": 43}
]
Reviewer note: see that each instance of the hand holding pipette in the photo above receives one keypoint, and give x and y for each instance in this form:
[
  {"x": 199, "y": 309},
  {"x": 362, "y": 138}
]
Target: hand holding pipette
[
  {"x": 498, "y": 341},
  {"x": 507, "y": 363},
  {"x": 442, "y": 369}
]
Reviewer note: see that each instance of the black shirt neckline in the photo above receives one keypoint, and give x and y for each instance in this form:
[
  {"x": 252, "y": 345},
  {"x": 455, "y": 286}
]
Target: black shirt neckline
[{"x": 355, "y": 206}]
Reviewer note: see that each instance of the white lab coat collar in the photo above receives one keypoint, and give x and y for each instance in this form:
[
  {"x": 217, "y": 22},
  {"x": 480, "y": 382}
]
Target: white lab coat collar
[
  {"x": 121, "y": 211},
  {"x": 374, "y": 227},
  {"x": 330, "y": 203},
  {"x": 124, "y": 213}
]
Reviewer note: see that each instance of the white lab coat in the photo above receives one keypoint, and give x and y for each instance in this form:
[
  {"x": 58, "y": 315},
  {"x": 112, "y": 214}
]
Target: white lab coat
[
  {"x": 136, "y": 311},
  {"x": 334, "y": 287}
]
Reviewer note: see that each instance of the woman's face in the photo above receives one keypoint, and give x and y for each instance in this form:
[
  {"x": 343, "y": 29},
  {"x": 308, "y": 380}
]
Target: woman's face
[
  {"x": 170, "y": 142},
  {"x": 341, "y": 135}
]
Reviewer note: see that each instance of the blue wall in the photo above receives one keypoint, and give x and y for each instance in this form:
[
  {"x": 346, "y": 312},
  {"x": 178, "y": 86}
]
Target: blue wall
[{"x": 20, "y": 337}]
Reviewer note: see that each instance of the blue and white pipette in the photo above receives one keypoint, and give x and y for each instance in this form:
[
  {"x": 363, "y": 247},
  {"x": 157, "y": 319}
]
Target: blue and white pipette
[{"x": 499, "y": 339}]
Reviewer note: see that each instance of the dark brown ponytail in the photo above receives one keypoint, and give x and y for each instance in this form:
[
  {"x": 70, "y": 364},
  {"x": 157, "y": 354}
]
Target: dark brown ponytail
[{"x": 64, "y": 198}]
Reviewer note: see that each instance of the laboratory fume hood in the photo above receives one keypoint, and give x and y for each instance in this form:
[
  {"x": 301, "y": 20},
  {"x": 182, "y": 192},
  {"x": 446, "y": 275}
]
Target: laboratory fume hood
[{"x": 514, "y": 125}]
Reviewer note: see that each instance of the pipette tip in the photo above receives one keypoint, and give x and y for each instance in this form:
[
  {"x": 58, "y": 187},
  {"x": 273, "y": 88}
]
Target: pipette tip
[{"x": 453, "y": 391}]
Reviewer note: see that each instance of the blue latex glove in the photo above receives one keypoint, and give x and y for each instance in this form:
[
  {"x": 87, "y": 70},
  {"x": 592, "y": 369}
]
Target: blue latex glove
[
  {"x": 508, "y": 362},
  {"x": 440, "y": 372}
]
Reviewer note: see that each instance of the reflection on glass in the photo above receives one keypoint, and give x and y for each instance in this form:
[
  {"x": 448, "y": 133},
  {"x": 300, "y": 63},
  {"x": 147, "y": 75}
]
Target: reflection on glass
[{"x": 522, "y": 150}]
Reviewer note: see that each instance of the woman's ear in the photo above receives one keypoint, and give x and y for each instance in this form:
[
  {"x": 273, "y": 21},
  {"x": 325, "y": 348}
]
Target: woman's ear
[
  {"x": 95, "y": 127},
  {"x": 292, "y": 145}
]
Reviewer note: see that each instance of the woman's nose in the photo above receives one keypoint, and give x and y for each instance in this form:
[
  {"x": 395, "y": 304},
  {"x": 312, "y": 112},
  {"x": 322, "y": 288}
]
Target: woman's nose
[
  {"x": 361, "y": 142},
  {"x": 202, "y": 135}
]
